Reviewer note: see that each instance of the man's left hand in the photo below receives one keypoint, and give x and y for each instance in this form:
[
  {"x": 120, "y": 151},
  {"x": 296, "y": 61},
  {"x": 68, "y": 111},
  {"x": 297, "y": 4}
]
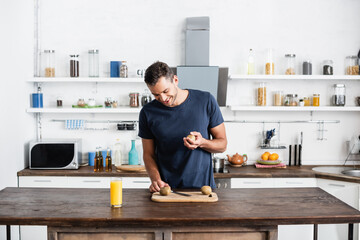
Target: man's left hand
[{"x": 191, "y": 144}]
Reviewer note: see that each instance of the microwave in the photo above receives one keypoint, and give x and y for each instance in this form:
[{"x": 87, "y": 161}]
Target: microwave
[{"x": 55, "y": 154}]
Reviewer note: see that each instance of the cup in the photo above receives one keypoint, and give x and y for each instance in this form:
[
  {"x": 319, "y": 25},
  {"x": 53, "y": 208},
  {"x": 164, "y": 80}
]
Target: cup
[
  {"x": 91, "y": 158},
  {"x": 116, "y": 192}
]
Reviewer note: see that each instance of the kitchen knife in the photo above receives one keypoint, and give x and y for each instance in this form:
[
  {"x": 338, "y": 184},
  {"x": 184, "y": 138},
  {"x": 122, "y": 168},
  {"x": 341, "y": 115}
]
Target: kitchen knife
[{"x": 180, "y": 193}]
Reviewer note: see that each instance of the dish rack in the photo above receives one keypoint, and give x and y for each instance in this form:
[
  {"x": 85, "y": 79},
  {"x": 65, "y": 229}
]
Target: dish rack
[{"x": 354, "y": 150}]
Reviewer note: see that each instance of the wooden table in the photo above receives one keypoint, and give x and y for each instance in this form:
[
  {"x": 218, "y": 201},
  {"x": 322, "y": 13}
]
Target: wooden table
[{"x": 254, "y": 213}]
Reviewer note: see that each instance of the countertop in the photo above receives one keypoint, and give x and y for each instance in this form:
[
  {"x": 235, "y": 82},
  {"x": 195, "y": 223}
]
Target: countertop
[
  {"x": 242, "y": 172},
  {"x": 90, "y": 207}
]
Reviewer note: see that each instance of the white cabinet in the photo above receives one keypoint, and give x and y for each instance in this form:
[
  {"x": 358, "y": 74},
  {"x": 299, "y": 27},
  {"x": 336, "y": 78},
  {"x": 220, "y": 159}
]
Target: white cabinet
[
  {"x": 252, "y": 182},
  {"x": 88, "y": 182},
  {"x": 136, "y": 182},
  {"x": 346, "y": 192},
  {"x": 294, "y": 182},
  {"x": 30, "y": 181}
]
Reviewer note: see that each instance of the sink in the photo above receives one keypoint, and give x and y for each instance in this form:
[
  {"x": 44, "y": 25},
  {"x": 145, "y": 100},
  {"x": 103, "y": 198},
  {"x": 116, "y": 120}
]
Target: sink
[
  {"x": 352, "y": 172},
  {"x": 333, "y": 169}
]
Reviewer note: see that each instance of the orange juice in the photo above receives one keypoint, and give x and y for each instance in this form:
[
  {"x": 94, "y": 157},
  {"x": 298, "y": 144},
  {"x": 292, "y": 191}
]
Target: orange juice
[{"x": 116, "y": 192}]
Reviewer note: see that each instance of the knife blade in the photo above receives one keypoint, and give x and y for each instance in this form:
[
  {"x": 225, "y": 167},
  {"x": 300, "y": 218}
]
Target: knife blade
[{"x": 180, "y": 193}]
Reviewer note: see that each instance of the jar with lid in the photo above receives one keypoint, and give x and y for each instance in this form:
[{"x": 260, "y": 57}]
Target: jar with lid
[
  {"x": 269, "y": 66},
  {"x": 328, "y": 67},
  {"x": 316, "y": 100},
  {"x": 278, "y": 98},
  {"x": 146, "y": 97},
  {"x": 306, "y": 101},
  {"x": 91, "y": 102},
  {"x": 134, "y": 99},
  {"x": 261, "y": 94},
  {"x": 49, "y": 63},
  {"x": 307, "y": 67},
  {"x": 251, "y": 63},
  {"x": 108, "y": 102},
  {"x": 94, "y": 63},
  {"x": 338, "y": 97},
  {"x": 352, "y": 66},
  {"x": 81, "y": 102},
  {"x": 290, "y": 64},
  {"x": 74, "y": 65},
  {"x": 291, "y": 100},
  {"x": 123, "y": 70}
]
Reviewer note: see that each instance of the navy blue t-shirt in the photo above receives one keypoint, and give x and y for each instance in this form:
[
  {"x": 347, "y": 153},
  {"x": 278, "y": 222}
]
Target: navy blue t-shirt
[{"x": 179, "y": 166}]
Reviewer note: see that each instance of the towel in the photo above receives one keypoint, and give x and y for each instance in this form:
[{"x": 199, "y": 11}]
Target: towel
[
  {"x": 280, "y": 165},
  {"x": 74, "y": 124}
]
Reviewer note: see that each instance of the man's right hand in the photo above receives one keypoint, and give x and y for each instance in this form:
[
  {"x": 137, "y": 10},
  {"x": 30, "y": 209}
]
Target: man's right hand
[{"x": 156, "y": 185}]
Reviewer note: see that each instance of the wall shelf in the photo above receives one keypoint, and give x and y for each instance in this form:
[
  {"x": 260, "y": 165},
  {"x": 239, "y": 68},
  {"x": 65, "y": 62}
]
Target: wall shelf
[
  {"x": 295, "y": 77},
  {"x": 85, "y": 80},
  {"x": 84, "y": 110},
  {"x": 298, "y": 109}
]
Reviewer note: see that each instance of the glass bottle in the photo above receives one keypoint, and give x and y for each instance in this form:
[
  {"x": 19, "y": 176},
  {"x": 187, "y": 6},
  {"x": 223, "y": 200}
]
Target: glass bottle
[
  {"x": 290, "y": 65},
  {"x": 123, "y": 70},
  {"x": 49, "y": 63},
  {"x": 338, "y": 97},
  {"x": 278, "y": 98},
  {"x": 96, "y": 161},
  {"x": 133, "y": 154},
  {"x": 328, "y": 67},
  {"x": 74, "y": 65},
  {"x": 270, "y": 66},
  {"x": 352, "y": 67},
  {"x": 307, "y": 67},
  {"x": 251, "y": 63},
  {"x": 146, "y": 97},
  {"x": 316, "y": 100},
  {"x": 117, "y": 153},
  {"x": 94, "y": 63},
  {"x": 134, "y": 99},
  {"x": 108, "y": 161},
  {"x": 101, "y": 162},
  {"x": 261, "y": 94}
]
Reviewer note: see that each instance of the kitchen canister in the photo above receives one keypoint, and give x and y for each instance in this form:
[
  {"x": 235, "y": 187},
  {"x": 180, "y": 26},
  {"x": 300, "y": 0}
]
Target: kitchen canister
[
  {"x": 93, "y": 63},
  {"x": 37, "y": 99}
]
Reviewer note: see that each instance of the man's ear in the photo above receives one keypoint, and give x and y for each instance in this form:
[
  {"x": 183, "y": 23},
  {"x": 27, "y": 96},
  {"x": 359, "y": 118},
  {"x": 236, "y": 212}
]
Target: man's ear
[{"x": 176, "y": 80}]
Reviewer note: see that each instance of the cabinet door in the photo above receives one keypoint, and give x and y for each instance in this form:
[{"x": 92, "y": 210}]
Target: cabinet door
[
  {"x": 346, "y": 192},
  {"x": 89, "y": 182},
  {"x": 37, "y": 181},
  {"x": 136, "y": 182},
  {"x": 294, "y": 182},
  {"x": 252, "y": 182}
]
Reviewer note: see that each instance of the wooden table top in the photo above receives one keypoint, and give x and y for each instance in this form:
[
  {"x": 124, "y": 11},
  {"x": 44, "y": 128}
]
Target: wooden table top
[{"x": 90, "y": 207}]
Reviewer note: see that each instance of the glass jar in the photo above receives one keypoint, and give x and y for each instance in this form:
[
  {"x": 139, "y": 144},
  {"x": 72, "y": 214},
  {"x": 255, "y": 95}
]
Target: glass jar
[
  {"x": 108, "y": 102},
  {"x": 134, "y": 99},
  {"x": 306, "y": 101},
  {"x": 278, "y": 98},
  {"x": 328, "y": 67},
  {"x": 307, "y": 67},
  {"x": 352, "y": 66},
  {"x": 74, "y": 65},
  {"x": 291, "y": 100},
  {"x": 290, "y": 64},
  {"x": 94, "y": 63},
  {"x": 338, "y": 97},
  {"x": 114, "y": 104},
  {"x": 251, "y": 63},
  {"x": 123, "y": 70},
  {"x": 49, "y": 63},
  {"x": 91, "y": 102},
  {"x": 316, "y": 100},
  {"x": 146, "y": 97},
  {"x": 59, "y": 102},
  {"x": 269, "y": 66},
  {"x": 81, "y": 102},
  {"x": 261, "y": 94}
]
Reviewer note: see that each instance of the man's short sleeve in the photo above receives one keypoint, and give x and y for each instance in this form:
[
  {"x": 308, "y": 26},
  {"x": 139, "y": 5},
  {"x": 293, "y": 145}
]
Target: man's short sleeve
[
  {"x": 144, "y": 130},
  {"x": 216, "y": 117}
]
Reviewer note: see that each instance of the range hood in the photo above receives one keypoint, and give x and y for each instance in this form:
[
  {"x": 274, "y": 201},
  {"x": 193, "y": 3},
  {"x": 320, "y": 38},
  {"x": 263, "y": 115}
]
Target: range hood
[{"x": 196, "y": 73}]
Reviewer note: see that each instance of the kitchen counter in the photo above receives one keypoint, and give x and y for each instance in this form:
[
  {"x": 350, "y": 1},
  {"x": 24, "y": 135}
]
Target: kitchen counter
[
  {"x": 239, "y": 211},
  {"x": 242, "y": 172}
]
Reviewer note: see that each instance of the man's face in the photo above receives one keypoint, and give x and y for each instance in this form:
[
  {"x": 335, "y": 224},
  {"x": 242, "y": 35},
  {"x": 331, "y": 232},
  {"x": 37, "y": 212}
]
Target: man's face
[{"x": 165, "y": 91}]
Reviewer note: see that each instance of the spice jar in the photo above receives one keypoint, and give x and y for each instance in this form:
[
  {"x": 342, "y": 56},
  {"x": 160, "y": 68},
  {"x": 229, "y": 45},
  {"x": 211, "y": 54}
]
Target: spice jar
[
  {"x": 307, "y": 67},
  {"x": 49, "y": 63},
  {"x": 338, "y": 97},
  {"x": 290, "y": 65},
  {"x": 81, "y": 102},
  {"x": 134, "y": 99},
  {"x": 316, "y": 100},
  {"x": 91, "y": 102},
  {"x": 291, "y": 100},
  {"x": 59, "y": 102},
  {"x": 278, "y": 98},
  {"x": 74, "y": 65},
  {"x": 352, "y": 67},
  {"x": 328, "y": 67},
  {"x": 114, "y": 104},
  {"x": 94, "y": 63},
  {"x": 108, "y": 102},
  {"x": 123, "y": 70},
  {"x": 306, "y": 101},
  {"x": 269, "y": 66},
  {"x": 261, "y": 94}
]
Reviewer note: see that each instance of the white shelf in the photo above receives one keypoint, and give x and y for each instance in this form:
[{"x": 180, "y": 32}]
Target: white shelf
[
  {"x": 85, "y": 80},
  {"x": 84, "y": 110},
  {"x": 298, "y": 109},
  {"x": 295, "y": 77}
]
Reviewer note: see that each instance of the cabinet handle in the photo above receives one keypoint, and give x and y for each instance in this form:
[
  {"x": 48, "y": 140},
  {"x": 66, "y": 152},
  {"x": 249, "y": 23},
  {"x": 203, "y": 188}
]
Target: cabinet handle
[
  {"x": 294, "y": 183},
  {"x": 252, "y": 182},
  {"x": 141, "y": 181},
  {"x": 91, "y": 181},
  {"x": 225, "y": 185},
  {"x": 42, "y": 180},
  {"x": 336, "y": 185}
]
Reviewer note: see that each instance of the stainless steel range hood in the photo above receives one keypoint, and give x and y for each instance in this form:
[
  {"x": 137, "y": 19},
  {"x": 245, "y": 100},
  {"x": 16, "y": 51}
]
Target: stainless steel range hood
[{"x": 197, "y": 74}]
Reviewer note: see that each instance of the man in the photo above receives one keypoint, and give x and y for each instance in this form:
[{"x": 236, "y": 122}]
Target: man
[{"x": 170, "y": 157}]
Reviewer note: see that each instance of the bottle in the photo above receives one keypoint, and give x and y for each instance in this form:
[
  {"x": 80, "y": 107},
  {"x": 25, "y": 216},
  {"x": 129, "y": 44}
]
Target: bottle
[
  {"x": 74, "y": 65},
  {"x": 261, "y": 94},
  {"x": 117, "y": 153},
  {"x": 270, "y": 66},
  {"x": 37, "y": 99},
  {"x": 133, "y": 154},
  {"x": 49, "y": 63},
  {"x": 96, "y": 161},
  {"x": 123, "y": 70},
  {"x": 251, "y": 63},
  {"x": 101, "y": 161},
  {"x": 108, "y": 161},
  {"x": 94, "y": 63}
]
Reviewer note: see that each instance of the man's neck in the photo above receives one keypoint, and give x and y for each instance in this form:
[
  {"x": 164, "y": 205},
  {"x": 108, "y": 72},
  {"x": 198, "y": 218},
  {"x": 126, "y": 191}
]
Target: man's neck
[{"x": 182, "y": 96}]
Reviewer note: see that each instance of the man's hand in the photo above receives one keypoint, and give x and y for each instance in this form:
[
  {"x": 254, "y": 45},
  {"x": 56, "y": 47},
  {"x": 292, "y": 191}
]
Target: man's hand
[
  {"x": 156, "y": 185},
  {"x": 191, "y": 144}
]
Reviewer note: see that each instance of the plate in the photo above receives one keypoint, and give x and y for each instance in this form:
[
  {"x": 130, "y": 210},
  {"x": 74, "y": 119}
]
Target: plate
[
  {"x": 268, "y": 162},
  {"x": 237, "y": 165}
]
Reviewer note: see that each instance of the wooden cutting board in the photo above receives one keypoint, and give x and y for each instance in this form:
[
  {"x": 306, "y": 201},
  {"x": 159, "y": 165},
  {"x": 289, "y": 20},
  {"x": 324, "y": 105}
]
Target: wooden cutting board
[
  {"x": 131, "y": 168},
  {"x": 195, "y": 197}
]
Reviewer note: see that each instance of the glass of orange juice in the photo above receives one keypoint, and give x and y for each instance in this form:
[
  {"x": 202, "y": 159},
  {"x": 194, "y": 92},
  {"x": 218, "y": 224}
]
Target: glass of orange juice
[{"x": 116, "y": 192}]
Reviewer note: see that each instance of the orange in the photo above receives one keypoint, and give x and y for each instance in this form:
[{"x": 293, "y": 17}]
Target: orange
[
  {"x": 274, "y": 156},
  {"x": 265, "y": 156}
]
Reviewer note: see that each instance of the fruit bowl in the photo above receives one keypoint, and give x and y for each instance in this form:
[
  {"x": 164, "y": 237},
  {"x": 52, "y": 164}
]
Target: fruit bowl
[{"x": 269, "y": 162}]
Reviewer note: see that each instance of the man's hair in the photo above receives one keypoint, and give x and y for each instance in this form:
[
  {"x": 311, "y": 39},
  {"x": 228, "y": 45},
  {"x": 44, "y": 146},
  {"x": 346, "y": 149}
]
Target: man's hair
[{"x": 156, "y": 71}]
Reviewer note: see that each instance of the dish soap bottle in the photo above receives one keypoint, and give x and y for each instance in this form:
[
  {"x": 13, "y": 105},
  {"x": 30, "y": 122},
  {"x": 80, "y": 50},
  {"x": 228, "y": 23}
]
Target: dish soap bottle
[
  {"x": 117, "y": 153},
  {"x": 133, "y": 154},
  {"x": 251, "y": 63}
]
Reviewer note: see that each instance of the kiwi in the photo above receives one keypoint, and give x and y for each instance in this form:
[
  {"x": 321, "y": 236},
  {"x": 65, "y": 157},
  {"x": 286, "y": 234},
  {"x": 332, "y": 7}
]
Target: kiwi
[
  {"x": 206, "y": 190},
  {"x": 164, "y": 191},
  {"x": 192, "y": 137}
]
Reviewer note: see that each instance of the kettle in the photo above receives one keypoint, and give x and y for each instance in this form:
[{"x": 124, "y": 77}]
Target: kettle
[{"x": 237, "y": 159}]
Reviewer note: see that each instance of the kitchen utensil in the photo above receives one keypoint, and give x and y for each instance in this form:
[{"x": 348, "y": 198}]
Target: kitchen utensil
[
  {"x": 195, "y": 197},
  {"x": 218, "y": 164},
  {"x": 131, "y": 168},
  {"x": 237, "y": 159},
  {"x": 182, "y": 194}
]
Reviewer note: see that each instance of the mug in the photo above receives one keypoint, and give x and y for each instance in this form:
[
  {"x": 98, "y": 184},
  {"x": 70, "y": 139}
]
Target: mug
[{"x": 140, "y": 72}]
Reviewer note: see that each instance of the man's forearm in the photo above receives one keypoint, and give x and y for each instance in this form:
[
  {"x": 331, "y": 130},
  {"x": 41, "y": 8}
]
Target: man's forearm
[
  {"x": 214, "y": 145},
  {"x": 152, "y": 168}
]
